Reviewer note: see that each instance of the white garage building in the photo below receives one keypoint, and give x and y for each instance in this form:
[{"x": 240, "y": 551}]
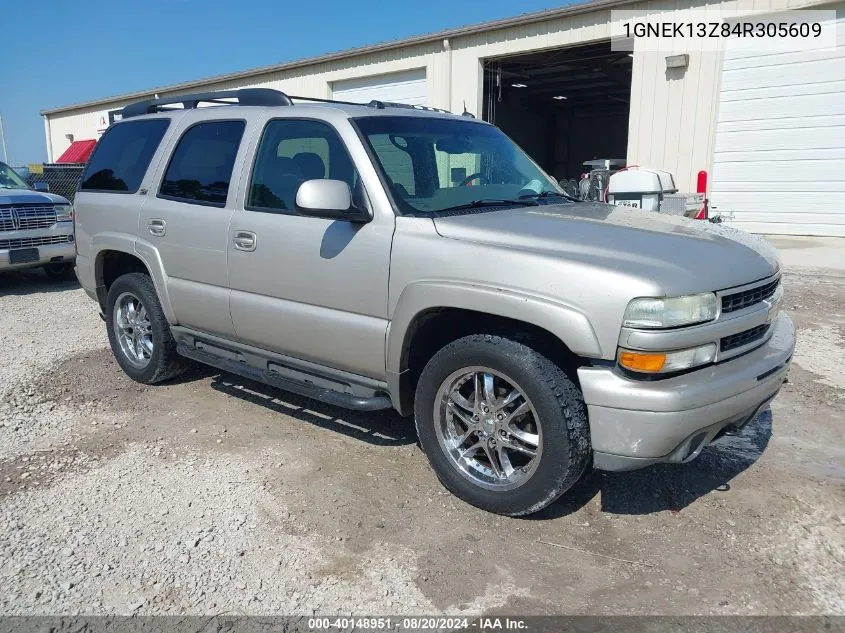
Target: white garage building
[{"x": 769, "y": 129}]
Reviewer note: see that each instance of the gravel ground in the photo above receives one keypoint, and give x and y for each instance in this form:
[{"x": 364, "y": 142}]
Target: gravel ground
[{"x": 214, "y": 495}]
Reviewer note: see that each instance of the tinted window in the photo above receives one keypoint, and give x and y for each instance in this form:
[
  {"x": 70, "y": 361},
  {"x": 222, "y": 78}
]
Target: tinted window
[
  {"x": 123, "y": 156},
  {"x": 435, "y": 164},
  {"x": 201, "y": 167},
  {"x": 397, "y": 162},
  {"x": 292, "y": 152}
]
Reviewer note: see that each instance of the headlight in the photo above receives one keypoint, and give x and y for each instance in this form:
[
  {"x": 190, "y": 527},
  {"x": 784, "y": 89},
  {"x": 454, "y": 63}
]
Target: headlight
[
  {"x": 64, "y": 212},
  {"x": 667, "y": 362},
  {"x": 659, "y": 312}
]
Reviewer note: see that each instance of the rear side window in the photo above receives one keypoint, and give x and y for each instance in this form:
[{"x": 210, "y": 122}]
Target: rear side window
[
  {"x": 201, "y": 167},
  {"x": 123, "y": 156}
]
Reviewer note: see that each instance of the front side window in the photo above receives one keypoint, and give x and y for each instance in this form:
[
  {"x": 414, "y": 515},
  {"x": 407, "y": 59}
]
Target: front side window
[
  {"x": 437, "y": 164},
  {"x": 123, "y": 155},
  {"x": 291, "y": 152},
  {"x": 201, "y": 167}
]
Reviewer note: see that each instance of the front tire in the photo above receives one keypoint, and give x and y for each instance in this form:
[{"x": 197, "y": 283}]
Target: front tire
[
  {"x": 504, "y": 428},
  {"x": 139, "y": 333}
]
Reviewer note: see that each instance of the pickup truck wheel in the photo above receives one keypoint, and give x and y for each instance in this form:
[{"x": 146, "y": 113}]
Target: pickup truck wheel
[
  {"x": 504, "y": 428},
  {"x": 139, "y": 333}
]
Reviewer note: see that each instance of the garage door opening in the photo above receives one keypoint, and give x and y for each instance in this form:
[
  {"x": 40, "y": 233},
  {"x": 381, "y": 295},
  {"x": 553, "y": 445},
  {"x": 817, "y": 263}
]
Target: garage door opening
[{"x": 563, "y": 106}]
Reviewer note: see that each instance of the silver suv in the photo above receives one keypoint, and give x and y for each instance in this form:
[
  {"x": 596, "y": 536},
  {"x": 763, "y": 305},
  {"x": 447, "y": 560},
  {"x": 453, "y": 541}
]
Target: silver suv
[
  {"x": 36, "y": 228},
  {"x": 378, "y": 256}
]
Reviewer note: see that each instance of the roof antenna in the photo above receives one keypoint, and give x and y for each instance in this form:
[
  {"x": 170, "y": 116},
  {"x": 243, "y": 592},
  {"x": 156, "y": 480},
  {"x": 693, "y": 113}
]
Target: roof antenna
[{"x": 465, "y": 113}]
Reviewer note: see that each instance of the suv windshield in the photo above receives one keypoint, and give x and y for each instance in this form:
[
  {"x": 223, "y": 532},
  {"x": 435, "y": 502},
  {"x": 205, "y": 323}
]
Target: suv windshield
[
  {"x": 9, "y": 179},
  {"x": 438, "y": 164}
]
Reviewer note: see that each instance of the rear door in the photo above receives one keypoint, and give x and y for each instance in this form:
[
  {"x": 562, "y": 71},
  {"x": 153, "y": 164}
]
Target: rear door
[{"x": 186, "y": 219}]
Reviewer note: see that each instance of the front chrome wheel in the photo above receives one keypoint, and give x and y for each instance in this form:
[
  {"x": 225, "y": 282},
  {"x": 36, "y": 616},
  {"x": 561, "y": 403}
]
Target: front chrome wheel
[
  {"x": 488, "y": 427},
  {"x": 133, "y": 330}
]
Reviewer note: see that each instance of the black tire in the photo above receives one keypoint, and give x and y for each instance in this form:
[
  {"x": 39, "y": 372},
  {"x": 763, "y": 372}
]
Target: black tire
[
  {"x": 59, "y": 271},
  {"x": 566, "y": 449},
  {"x": 164, "y": 363}
]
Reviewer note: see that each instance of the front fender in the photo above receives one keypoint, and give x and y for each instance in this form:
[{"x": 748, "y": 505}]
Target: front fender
[{"x": 563, "y": 321}]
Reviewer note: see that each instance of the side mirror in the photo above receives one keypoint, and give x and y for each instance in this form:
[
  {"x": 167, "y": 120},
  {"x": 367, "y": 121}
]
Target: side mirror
[
  {"x": 41, "y": 186},
  {"x": 332, "y": 199}
]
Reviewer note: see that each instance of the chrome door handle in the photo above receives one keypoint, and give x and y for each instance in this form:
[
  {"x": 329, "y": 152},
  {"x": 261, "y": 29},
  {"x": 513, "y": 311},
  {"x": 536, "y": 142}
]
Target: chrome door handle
[
  {"x": 244, "y": 240},
  {"x": 157, "y": 227}
]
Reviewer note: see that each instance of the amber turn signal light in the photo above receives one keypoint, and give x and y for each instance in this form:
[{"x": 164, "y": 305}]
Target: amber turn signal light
[{"x": 642, "y": 361}]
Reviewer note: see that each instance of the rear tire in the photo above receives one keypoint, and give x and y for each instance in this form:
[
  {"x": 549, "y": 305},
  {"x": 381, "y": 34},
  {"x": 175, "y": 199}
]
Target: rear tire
[
  {"x": 518, "y": 399},
  {"x": 139, "y": 333}
]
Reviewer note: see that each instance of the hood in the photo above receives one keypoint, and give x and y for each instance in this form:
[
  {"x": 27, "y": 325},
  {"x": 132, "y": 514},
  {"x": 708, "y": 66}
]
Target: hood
[
  {"x": 29, "y": 196},
  {"x": 679, "y": 254}
]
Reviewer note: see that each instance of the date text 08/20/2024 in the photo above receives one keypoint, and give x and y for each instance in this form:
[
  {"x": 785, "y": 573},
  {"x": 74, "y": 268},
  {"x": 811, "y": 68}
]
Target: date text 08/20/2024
[{"x": 421, "y": 623}]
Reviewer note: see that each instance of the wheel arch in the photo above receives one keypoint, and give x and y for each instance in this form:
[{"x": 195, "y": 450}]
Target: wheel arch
[
  {"x": 118, "y": 255},
  {"x": 430, "y": 315}
]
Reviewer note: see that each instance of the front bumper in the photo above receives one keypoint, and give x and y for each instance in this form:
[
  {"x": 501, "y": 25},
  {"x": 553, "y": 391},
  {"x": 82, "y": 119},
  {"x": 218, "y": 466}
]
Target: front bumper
[
  {"x": 634, "y": 423},
  {"x": 47, "y": 253}
]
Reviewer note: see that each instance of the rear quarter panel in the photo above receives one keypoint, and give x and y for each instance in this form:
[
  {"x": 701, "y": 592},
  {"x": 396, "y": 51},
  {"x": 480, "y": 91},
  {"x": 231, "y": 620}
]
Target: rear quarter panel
[
  {"x": 106, "y": 221},
  {"x": 103, "y": 221}
]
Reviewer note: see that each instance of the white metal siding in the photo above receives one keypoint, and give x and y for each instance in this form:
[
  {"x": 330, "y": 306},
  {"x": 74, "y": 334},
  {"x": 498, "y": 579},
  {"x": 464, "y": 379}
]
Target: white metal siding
[
  {"x": 672, "y": 119},
  {"x": 780, "y": 141},
  {"x": 407, "y": 87},
  {"x": 672, "y": 123}
]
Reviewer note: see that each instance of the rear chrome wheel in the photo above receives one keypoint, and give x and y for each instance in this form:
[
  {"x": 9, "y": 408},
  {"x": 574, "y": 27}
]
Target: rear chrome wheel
[
  {"x": 133, "y": 330},
  {"x": 139, "y": 333},
  {"x": 488, "y": 428}
]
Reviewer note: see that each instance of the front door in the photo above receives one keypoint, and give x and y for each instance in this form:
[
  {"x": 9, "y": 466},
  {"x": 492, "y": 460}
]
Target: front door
[
  {"x": 311, "y": 288},
  {"x": 187, "y": 221}
]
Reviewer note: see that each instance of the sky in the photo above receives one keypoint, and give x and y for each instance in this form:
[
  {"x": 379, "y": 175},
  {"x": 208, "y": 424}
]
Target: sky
[{"x": 60, "y": 52}]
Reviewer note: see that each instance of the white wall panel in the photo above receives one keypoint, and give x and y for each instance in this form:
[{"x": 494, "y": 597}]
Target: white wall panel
[{"x": 780, "y": 140}]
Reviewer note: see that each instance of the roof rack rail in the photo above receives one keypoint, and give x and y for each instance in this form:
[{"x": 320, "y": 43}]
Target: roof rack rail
[
  {"x": 381, "y": 105},
  {"x": 318, "y": 100},
  {"x": 375, "y": 103},
  {"x": 251, "y": 97},
  {"x": 244, "y": 96}
]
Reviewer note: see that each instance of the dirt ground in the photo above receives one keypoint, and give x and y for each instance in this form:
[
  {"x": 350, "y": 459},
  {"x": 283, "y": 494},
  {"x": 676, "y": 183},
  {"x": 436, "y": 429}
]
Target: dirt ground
[{"x": 214, "y": 495}]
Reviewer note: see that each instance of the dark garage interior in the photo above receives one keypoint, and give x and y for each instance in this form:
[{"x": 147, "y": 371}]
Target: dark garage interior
[{"x": 562, "y": 106}]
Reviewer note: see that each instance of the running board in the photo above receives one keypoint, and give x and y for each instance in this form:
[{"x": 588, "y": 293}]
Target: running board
[{"x": 375, "y": 402}]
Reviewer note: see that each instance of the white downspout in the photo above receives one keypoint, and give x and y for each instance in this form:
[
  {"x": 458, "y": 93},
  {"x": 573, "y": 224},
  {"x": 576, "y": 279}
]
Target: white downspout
[
  {"x": 49, "y": 139},
  {"x": 447, "y": 47}
]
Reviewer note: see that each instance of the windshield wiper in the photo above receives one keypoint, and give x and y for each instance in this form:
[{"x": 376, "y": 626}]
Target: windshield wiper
[
  {"x": 493, "y": 202},
  {"x": 546, "y": 194}
]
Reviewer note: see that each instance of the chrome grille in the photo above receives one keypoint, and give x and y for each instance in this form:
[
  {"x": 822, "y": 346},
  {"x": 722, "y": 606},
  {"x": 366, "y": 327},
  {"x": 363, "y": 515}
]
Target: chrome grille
[
  {"x": 7, "y": 220},
  {"x": 743, "y": 338},
  {"x": 35, "y": 217},
  {"x": 27, "y": 242},
  {"x": 25, "y": 218},
  {"x": 747, "y": 298}
]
